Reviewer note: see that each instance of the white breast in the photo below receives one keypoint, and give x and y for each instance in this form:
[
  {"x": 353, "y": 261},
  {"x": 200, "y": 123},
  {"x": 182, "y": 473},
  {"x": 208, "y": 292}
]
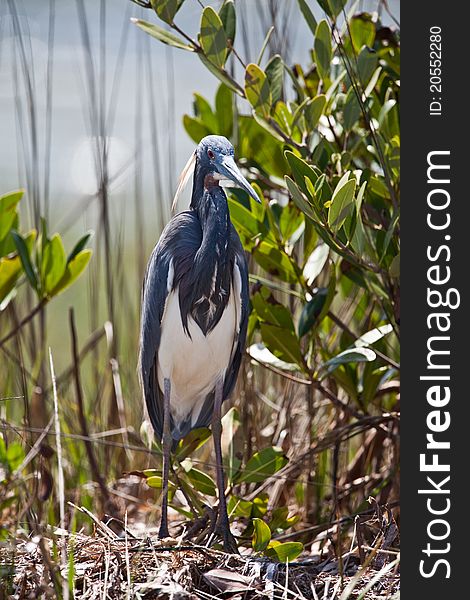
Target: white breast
[{"x": 193, "y": 364}]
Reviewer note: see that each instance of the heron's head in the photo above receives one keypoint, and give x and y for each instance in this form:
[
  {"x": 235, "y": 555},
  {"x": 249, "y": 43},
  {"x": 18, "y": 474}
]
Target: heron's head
[{"x": 215, "y": 157}]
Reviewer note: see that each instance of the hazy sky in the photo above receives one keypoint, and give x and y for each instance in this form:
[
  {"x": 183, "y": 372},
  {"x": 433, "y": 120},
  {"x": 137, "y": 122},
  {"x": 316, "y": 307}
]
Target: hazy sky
[{"x": 176, "y": 74}]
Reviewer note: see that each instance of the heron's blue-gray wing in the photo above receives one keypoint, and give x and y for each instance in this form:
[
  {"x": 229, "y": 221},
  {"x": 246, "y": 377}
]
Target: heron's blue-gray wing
[
  {"x": 154, "y": 294},
  {"x": 178, "y": 243},
  {"x": 239, "y": 350}
]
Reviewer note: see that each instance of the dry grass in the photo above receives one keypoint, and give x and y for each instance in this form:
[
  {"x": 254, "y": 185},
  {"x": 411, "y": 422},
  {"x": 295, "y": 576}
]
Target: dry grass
[{"x": 106, "y": 567}]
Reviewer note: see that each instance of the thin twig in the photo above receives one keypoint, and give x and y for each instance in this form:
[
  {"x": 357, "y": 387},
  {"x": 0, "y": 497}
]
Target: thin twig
[
  {"x": 81, "y": 411},
  {"x": 35, "y": 449},
  {"x": 23, "y": 322},
  {"x": 60, "y": 475}
]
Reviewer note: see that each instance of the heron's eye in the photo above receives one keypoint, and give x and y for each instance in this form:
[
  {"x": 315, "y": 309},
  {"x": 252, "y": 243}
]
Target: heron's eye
[{"x": 210, "y": 154}]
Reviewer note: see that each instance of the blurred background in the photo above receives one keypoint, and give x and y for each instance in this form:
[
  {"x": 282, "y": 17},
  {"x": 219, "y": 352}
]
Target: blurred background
[
  {"x": 91, "y": 127},
  {"x": 72, "y": 71}
]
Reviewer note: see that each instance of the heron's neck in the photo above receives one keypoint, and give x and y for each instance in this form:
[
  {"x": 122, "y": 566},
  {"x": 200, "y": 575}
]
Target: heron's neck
[
  {"x": 203, "y": 181},
  {"x": 210, "y": 277},
  {"x": 210, "y": 203}
]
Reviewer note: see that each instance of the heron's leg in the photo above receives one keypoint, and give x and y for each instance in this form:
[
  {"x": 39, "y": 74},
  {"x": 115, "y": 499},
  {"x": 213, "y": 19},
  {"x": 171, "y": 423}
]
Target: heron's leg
[
  {"x": 223, "y": 525},
  {"x": 163, "y": 532}
]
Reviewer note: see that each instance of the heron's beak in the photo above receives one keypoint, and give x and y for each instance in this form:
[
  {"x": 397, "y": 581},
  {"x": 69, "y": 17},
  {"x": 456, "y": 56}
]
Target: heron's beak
[{"x": 228, "y": 168}]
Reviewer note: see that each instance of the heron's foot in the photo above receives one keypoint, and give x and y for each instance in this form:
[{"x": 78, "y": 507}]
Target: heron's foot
[
  {"x": 163, "y": 531},
  {"x": 202, "y": 526}
]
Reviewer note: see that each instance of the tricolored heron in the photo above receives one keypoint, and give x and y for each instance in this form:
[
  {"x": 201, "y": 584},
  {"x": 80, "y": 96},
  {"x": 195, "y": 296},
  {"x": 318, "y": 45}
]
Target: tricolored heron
[{"x": 194, "y": 315}]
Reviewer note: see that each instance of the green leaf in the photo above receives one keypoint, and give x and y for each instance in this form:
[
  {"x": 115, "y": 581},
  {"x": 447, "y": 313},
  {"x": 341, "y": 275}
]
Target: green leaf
[
  {"x": 278, "y": 518},
  {"x": 262, "y": 464},
  {"x": 342, "y": 204},
  {"x": 221, "y": 74},
  {"x": 147, "y": 472},
  {"x": 203, "y": 110},
  {"x": 80, "y": 245},
  {"x": 300, "y": 91},
  {"x": 351, "y": 110},
  {"x": 311, "y": 311},
  {"x": 271, "y": 311},
  {"x": 308, "y": 15},
  {"x": 14, "y": 455},
  {"x": 195, "y": 128},
  {"x": 261, "y": 535},
  {"x": 166, "y": 9},
  {"x": 283, "y": 116},
  {"x": 229, "y": 20},
  {"x": 291, "y": 223},
  {"x": 224, "y": 110},
  {"x": 315, "y": 263},
  {"x": 281, "y": 520},
  {"x": 331, "y": 292},
  {"x": 237, "y": 507},
  {"x": 395, "y": 266},
  {"x": 362, "y": 31},
  {"x": 389, "y": 124},
  {"x": 267, "y": 125},
  {"x": 378, "y": 186},
  {"x": 202, "y": 482},
  {"x": 314, "y": 110},
  {"x": 299, "y": 200},
  {"x": 7, "y": 245},
  {"x": 260, "y": 147},
  {"x": 162, "y": 35},
  {"x": 348, "y": 356},
  {"x": 359, "y": 240},
  {"x": 372, "y": 83},
  {"x": 261, "y": 354},
  {"x": 298, "y": 119},
  {"x": 8, "y": 211},
  {"x": 275, "y": 74},
  {"x": 191, "y": 442},
  {"x": 374, "y": 335},
  {"x": 300, "y": 170},
  {"x": 284, "y": 551},
  {"x": 156, "y": 482},
  {"x": 10, "y": 270},
  {"x": 257, "y": 89},
  {"x": 3, "y": 452},
  {"x": 276, "y": 261},
  {"x": 282, "y": 343},
  {"x": 322, "y": 49},
  {"x": 23, "y": 252},
  {"x": 366, "y": 65},
  {"x": 260, "y": 505},
  {"x": 371, "y": 380},
  {"x": 53, "y": 263},
  {"x": 73, "y": 270},
  {"x": 332, "y": 7},
  {"x": 248, "y": 226},
  {"x": 213, "y": 37}
]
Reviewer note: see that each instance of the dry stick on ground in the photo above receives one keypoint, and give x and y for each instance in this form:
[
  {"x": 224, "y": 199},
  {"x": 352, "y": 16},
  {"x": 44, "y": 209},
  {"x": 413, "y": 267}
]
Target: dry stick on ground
[{"x": 81, "y": 412}]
